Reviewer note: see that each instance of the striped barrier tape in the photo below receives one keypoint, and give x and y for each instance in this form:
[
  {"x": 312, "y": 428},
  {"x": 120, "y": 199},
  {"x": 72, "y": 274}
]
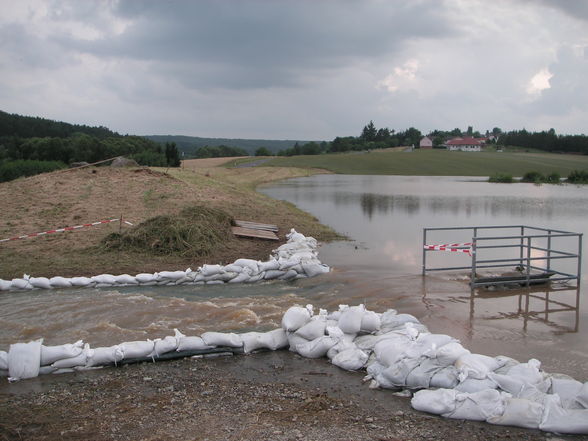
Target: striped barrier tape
[
  {"x": 62, "y": 230},
  {"x": 454, "y": 247}
]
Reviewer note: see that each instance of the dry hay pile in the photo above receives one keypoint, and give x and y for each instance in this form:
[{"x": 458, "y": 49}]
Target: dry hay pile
[{"x": 196, "y": 231}]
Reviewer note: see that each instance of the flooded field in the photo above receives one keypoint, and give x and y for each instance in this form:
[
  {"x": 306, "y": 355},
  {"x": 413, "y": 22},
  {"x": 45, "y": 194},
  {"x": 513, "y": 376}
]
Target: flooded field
[{"x": 380, "y": 266}]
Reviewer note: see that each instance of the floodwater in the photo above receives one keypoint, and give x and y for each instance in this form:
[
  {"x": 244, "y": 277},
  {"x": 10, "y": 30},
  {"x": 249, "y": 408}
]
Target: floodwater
[{"x": 380, "y": 266}]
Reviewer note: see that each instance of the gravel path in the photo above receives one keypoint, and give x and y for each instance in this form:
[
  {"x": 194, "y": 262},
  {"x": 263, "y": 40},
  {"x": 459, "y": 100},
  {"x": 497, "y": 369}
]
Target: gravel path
[{"x": 267, "y": 396}]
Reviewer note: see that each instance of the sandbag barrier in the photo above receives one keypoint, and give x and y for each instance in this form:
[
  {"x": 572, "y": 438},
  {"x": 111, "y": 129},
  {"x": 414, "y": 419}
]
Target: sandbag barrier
[
  {"x": 398, "y": 352},
  {"x": 296, "y": 259}
]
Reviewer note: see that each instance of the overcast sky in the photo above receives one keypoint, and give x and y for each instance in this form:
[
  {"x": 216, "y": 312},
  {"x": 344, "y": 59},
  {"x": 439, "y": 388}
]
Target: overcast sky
[{"x": 296, "y": 69}]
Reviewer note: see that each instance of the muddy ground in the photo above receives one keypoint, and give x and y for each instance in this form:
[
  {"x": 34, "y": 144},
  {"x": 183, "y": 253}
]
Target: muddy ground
[{"x": 266, "y": 396}]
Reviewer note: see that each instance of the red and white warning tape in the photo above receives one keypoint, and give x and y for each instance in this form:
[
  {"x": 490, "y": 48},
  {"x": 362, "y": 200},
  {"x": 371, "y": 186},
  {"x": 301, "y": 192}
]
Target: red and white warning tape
[
  {"x": 61, "y": 230},
  {"x": 453, "y": 247}
]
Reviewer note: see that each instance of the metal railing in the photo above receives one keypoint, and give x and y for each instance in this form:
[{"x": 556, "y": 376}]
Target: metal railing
[{"x": 533, "y": 251}]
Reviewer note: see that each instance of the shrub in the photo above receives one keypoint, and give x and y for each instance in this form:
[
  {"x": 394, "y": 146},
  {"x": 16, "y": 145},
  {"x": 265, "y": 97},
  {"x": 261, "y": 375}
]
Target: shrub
[
  {"x": 553, "y": 178},
  {"x": 578, "y": 177},
  {"x": 10, "y": 170},
  {"x": 534, "y": 177},
  {"x": 501, "y": 178}
]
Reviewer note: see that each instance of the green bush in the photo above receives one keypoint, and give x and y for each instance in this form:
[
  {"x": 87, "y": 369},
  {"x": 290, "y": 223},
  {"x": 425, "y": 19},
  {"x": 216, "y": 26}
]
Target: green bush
[
  {"x": 553, "y": 178},
  {"x": 501, "y": 178},
  {"x": 578, "y": 177},
  {"x": 10, "y": 170},
  {"x": 534, "y": 177}
]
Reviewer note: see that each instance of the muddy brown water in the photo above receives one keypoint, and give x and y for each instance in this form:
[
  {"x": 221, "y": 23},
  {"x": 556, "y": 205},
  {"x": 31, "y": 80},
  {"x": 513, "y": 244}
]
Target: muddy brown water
[{"x": 380, "y": 266}]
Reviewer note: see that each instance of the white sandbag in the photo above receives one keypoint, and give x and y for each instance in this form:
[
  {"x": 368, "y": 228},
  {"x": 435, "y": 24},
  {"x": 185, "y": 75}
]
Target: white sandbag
[
  {"x": 45, "y": 370},
  {"x": 505, "y": 364},
  {"x": 438, "y": 402},
  {"x": 146, "y": 278},
  {"x": 294, "y": 236},
  {"x": 290, "y": 274},
  {"x": 315, "y": 269},
  {"x": 5, "y": 285},
  {"x": 40, "y": 282},
  {"x": 471, "y": 385},
  {"x": 316, "y": 348},
  {"x": 79, "y": 360},
  {"x": 420, "y": 376},
  {"x": 222, "y": 276},
  {"x": 104, "y": 279},
  {"x": 519, "y": 412},
  {"x": 192, "y": 344},
  {"x": 241, "y": 278},
  {"x": 216, "y": 282},
  {"x": 81, "y": 281},
  {"x": 528, "y": 371},
  {"x": 59, "y": 282},
  {"x": 567, "y": 390},
  {"x": 3, "y": 360},
  {"x": 367, "y": 342},
  {"x": 351, "y": 359},
  {"x": 171, "y": 275},
  {"x": 390, "y": 350},
  {"x": 582, "y": 397},
  {"x": 288, "y": 263},
  {"x": 296, "y": 317},
  {"x": 24, "y": 360},
  {"x": 390, "y": 319},
  {"x": 342, "y": 345},
  {"x": 232, "y": 268},
  {"x": 294, "y": 340},
  {"x": 270, "y": 265},
  {"x": 274, "y": 340},
  {"x": 478, "y": 406},
  {"x": 222, "y": 339},
  {"x": 125, "y": 279},
  {"x": 137, "y": 349},
  {"x": 476, "y": 366},
  {"x": 104, "y": 356},
  {"x": 557, "y": 419},
  {"x": 20, "y": 284},
  {"x": 397, "y": 373},
  {"x": 448, "y": 354},
  {"x": 350, "y": 319},
  {"x": 273, "y": 274},
  {"x": 164, "y": 345},
  {"x": 256, "y": 278},
  {"x": 50, "y": 354},
  {"x": 313, "y": 329},
  {"x": 210, "y": 270},
  {"x": 248, "y": 263},
  {"x": 370, "y": 322},
  {"x": 445, "y": 378},
  {"x": 252, "y": 341}
]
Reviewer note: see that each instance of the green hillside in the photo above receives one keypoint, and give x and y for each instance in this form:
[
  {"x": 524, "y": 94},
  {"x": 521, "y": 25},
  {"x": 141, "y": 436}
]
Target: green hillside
[{"x": 437, "y": 163}]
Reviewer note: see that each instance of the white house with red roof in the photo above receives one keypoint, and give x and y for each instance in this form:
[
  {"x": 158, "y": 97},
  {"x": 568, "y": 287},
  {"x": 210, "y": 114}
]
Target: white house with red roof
[
  {"x": 426, "y": 143},
  {"x": 466, "y": 144}
]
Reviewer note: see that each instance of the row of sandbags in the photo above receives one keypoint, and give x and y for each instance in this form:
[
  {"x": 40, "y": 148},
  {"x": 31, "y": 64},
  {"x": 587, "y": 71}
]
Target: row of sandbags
[
  {"x": 397, "y": 351},
  {"x": 298, "y": 258}
]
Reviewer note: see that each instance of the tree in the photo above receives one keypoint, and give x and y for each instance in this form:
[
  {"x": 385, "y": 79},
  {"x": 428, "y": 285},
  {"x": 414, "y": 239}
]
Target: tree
[
  {"x": 369, "y": 132},
  {"x": 470, "y": 131},
  {"x": 172, "y": 155},
  {"x": 262, "y": 151}
]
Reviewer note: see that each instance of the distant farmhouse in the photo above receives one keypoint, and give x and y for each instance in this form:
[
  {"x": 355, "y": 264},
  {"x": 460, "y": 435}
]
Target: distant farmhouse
[
  {"x": 466, "y": 144},
  {"x": 426, "y": 143}
]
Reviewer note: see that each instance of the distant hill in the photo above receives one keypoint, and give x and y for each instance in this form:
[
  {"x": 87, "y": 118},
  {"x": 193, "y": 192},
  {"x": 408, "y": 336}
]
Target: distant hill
[{"x": 189, "y": 144}]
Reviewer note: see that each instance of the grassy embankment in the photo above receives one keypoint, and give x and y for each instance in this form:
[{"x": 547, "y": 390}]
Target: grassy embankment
[
  {"x": 55, "y": 200},
  {"x": 437, "y": 163}
]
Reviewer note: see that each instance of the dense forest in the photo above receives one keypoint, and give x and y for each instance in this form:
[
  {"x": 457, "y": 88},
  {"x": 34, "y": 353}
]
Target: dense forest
[{"x": 30, "y": 145}]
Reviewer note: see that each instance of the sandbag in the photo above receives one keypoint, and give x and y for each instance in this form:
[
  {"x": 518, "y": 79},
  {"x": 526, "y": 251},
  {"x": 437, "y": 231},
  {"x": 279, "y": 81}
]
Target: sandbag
[
  {"x": 274, "y": 340},
  {"x": 397, "y": 373},
  {"x": 557, "y": 419},
  {"x": 171, "y": 275},
  {"x": 527, "y": 371},
  {"x": 137, "y": 349},
  {"x": 475, "y": 366},
  {"x": 273, "y": 274},
  {"x": 582, "y": 397},
  {"x": 81, "y": 281},
  {"x": 164, "y": 345},
  {"x": 5, "y": 285},
  {"x": 252, "y": 341},
  {"x": 286, "y": 264},
  {"x": 478, "y": 406},
  {"x": 222, "y": 339},
  {"x": 315, "y": 269},
  {"x": 255, "y": 278},
  {"x": 232, "y": 268},
  {"x": 50, "y": 354},
  {"x": 20, "y": 284},
  {"x": 24, "y": 360},
  {"x": 350, "y": 319},
  {"x": 125, "y": 279},
  {"x": 40, "y": 282},
  {"x": 192, "y": 344},
  {"x": 59, "y": 282},
  {"x": 448, "y": 354},
  {"x": 471, "y": 385},
  {"x": 388, "y": 351},
  {"x": 316, "y": 348},
  {"x": 294, "y": 340},
  {"x": 420, "y": 376},
  {"x": 313, "y": 329},
  {"x": 79, "y": 360},
  {"x": 3, "y": 360},
  {"x": 296, "y": 317},
  {"x": 519, "y": 412},
  {"x": 104, "y": 356},
  {"x": 241, "y": 278},
  {"x": 438, "y": 402},
  {"x": 103, "y": 279},
  {"x": 248, "y": 263},
  {"x": 289, "y": 275},
  {"x": 567, "y": 390},
  {"x": 445, "y": 378},
  {"x": 270, "y": 265},
  {"x": 350, "y": 359},
  {"x": 210, "y": 270},
  {"x": 390, "y": 319},
  {"x": 146, "y": 278},
  {"x": 370, "y": 322}
]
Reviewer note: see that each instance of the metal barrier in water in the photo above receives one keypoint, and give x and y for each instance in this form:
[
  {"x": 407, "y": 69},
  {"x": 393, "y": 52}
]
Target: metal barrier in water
[{"x": 534, "y": 255}]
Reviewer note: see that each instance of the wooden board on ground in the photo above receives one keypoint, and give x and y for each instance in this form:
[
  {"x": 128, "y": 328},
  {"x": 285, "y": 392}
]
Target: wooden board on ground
[
  {"x": 252, "y": 233},
  {"x": 256, "y": 226}
]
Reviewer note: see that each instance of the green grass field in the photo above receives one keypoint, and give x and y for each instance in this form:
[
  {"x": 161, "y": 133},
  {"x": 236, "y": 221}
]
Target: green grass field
[{"x": 438, "y": 163}]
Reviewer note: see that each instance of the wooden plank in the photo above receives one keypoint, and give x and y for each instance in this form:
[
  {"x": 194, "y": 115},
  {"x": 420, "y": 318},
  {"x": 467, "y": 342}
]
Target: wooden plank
[
  {"x": 257, "y": 234},
  {"x": 256, "y": 225}
]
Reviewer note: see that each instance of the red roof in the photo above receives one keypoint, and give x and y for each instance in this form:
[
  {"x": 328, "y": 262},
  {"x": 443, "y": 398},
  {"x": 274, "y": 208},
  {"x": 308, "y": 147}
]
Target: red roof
[{"x": 463, "y": 141}]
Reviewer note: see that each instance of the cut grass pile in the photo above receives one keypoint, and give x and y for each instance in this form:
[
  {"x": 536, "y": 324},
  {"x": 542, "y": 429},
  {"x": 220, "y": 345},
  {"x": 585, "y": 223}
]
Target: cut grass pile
[
  {"x": 196, "y": 231},
  {"x": 437, "y": 163}
]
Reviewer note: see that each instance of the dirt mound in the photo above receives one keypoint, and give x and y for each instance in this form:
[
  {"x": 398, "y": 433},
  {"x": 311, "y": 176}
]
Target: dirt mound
[{"x": 196, "y": 231}]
